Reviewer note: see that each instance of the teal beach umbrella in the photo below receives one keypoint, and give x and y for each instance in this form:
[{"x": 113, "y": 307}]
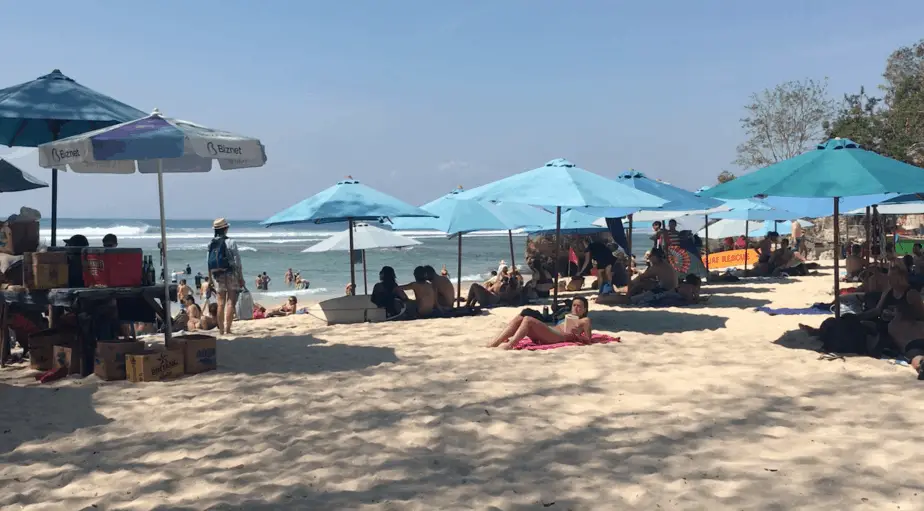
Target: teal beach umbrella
[
  {"x": 52, "y": 107},
  {"x": 837, "y": 168},
  {"x": 562, "y": 184}
]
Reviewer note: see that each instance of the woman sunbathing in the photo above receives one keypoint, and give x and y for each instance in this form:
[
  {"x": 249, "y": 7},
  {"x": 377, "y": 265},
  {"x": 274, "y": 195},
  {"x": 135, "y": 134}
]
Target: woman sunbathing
[
  {"x": 541, "y": 333},
  {"x": 287, "y": 309}
]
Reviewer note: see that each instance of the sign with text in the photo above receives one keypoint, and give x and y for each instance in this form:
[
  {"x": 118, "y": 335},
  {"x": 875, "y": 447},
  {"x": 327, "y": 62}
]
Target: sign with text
[{"x": 731, "y": 259}]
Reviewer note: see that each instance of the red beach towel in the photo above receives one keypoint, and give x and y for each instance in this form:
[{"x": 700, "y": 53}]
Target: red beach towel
[{"x": 527, "y": 344}]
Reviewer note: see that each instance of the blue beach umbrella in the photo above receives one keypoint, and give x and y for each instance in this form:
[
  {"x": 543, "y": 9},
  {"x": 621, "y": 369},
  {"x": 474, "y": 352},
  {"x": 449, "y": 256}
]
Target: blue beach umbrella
[
  {"x": 52, "y": 107},
  {"x": 573, "y": 221},
  {"x": 816, "y": 207},
  {"x": 456, "y": 217},
  {"x": 561, "y": 184},
  {"x": 836, "y": 168},
  {"x": 678, "y": 198},
  {"x": 153, "y": 145},
  {"x": 347, "y": 201},
  {"x": 12, "y": 179},
  {"x": 751, "y": 210}
]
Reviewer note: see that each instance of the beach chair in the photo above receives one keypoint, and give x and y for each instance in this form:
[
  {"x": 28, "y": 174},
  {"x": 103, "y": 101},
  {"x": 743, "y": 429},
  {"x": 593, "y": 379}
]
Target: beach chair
[{"x": 346, "y": 310}]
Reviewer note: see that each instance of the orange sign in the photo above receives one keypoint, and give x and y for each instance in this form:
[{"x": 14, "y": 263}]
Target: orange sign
[{"x": 731, "y": 258}]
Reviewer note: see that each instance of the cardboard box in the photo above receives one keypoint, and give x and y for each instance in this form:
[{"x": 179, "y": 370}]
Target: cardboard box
[
  {"x": 17, "y": 238},
  {"x": 154, "y": 365},
  {"x": 109, "y": 359},
  {"x": 199, "y": 352},
  {"x": 41, "y": 347},
  {"x": 45, "y": 270},
  {"x": 65, "y": 356}
]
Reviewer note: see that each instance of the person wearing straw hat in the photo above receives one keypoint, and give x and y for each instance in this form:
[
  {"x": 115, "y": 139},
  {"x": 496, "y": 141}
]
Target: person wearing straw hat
[{"x": 226, "y": 273}]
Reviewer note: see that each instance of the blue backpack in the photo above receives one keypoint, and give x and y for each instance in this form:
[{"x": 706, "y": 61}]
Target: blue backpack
[{"x": 219, "y": 259}]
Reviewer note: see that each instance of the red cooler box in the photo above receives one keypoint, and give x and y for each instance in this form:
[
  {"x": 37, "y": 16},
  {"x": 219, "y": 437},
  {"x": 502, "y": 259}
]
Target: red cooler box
[{"x": 112, "y": 267}]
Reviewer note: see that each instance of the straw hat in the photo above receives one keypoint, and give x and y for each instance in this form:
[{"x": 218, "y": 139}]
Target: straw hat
[{"x": 220, "y": 223}]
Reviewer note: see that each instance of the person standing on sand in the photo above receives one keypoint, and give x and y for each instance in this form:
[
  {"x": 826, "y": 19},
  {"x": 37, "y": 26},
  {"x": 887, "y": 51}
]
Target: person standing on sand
[
  {"x": 796, "y": 233},
  {"x": 226, "y": 273},
  {"x": 182, "y": 291}
]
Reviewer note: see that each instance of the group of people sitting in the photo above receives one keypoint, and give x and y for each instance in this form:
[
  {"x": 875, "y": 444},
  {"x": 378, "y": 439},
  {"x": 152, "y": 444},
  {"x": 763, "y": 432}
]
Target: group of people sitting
[
  {"x": 657, "y": 286},
  {"x": 885, "y": 314},
  {"x": 434, "y": 294},
  {"x": 779, "y": 261}
]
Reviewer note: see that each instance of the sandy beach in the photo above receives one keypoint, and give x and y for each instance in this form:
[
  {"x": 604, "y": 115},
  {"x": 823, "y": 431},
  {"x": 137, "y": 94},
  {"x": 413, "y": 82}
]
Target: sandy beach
[{"x": 710, "y": 407}]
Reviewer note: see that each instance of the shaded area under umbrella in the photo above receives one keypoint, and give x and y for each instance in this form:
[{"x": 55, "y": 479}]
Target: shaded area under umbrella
[{"x": 835, "y": 169}]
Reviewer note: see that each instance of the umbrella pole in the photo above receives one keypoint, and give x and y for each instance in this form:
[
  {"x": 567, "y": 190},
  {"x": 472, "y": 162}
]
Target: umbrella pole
[
  {"x": 459, "y": 273},
  {"x": 837, "y": 256},
  {"x": 869, "y": 246},
  {"x": 168, "y": 318},
  {"x": 365, "y": 276},
  {"x": 706, "y": 243},
  {"x": 54, "y": 207},
  {"x": 513, "y": 263},
  {"x": 775, "y": 229},
  {"x": 747, "y": 242},
  {"x": 557, "y": 248},
  {"x": 352, "y": 265}
]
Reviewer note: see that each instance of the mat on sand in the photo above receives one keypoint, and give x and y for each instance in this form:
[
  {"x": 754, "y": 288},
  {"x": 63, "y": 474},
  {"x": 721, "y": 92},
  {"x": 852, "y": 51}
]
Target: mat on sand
[{"x": 527, "y": 344}]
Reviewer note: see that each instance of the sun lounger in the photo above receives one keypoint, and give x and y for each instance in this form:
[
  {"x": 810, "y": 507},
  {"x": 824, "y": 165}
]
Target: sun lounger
[{"x": 351, "y": 309}]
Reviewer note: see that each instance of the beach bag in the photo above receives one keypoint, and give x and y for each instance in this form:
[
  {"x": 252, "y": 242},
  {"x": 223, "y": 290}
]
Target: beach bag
[
  {"x": 219, "y": 259},
  {"x": 844, "y": 335},
  {"x": 244, "y": 305}
]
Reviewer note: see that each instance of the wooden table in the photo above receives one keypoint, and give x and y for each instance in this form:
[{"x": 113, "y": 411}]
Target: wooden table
[{"x": 91, "y": 305}]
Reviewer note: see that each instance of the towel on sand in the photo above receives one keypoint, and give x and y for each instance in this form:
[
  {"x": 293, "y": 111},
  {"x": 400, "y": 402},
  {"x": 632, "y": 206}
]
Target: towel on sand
[
  {"x": 815, "y": 310},
  {"x": 527, "y": 344}
]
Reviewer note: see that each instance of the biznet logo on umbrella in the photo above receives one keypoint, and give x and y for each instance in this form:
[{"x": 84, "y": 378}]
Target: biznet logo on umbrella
[
  {"x": 220, "y": 149},
  {"x": 64, "y": 154}
]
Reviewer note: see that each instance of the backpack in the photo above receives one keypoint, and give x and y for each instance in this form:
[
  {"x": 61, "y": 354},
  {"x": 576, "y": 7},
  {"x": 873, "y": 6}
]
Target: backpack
[{"x": 219, "y": 259}]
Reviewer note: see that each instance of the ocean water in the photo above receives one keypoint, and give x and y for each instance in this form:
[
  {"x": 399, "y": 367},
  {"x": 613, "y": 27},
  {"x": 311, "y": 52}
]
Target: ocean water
[{"x": 274, "y": 250}]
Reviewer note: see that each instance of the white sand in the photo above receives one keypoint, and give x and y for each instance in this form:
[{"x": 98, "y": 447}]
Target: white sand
[{"x": 711, "y": 414}]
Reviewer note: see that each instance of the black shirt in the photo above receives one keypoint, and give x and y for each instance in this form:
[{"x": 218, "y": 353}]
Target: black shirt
[{"x": 602, "y": 255}]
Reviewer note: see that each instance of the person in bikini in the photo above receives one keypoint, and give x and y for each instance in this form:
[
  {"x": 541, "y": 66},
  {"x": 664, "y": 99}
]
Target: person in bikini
[
  {"x": 193, "y": 312},
  {"x": 541, "y": 333},
  {"x": 287, "y": 309}
]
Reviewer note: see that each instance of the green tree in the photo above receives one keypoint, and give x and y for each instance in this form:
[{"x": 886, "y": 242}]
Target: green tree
[
  {"x": 784, "y": 121},
  {"x": 860, "y": 118},
  {"x": 726, "y": 176}
]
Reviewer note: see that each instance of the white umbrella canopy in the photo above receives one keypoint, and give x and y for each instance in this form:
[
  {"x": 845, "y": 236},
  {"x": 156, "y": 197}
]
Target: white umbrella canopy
[{"x": 365, "y": 237}]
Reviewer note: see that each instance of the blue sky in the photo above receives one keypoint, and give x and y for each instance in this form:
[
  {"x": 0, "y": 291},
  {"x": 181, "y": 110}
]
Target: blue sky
[{"x": 417, "y": 97}]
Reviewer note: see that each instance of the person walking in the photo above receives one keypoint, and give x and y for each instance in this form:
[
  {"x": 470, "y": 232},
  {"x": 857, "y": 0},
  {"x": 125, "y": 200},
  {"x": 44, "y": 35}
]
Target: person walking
[{"x": 226, "y": 274}]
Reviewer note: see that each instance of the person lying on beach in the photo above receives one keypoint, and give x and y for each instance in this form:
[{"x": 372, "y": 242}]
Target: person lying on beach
[
  {"x": 445, "y": 292},
  {"x": 287, "y": 309},
  {"x": 687, "y": 293},
  {"x": 898, "y": 319},
  {"x": 541, "y": 333},
  {"x": 424, "y": 295},
  {"x": 387, "y": 294},
  {"x": 658, "y": 277},
  {"x": 505, "y": 291}
]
